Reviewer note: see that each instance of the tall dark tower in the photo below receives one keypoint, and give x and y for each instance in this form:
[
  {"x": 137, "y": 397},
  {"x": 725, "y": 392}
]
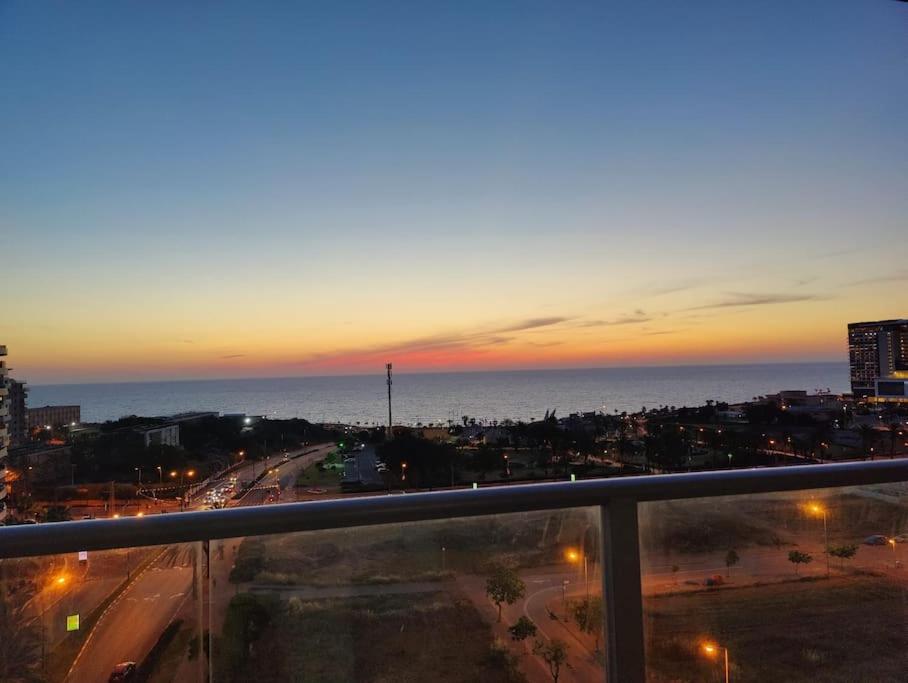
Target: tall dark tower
[{"x": 390, "y": 428}]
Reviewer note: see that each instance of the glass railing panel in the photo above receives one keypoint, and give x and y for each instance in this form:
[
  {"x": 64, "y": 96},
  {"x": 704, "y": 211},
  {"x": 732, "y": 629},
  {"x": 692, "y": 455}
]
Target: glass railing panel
[
  {"x": 79, "y": 616},
  {"x": 748, "y": 580},
  {"x": 504, "y": 598}
]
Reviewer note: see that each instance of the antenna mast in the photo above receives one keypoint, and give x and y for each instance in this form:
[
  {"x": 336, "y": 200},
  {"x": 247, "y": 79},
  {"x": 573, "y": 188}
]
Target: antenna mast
[{"x": 390, "y": 429}]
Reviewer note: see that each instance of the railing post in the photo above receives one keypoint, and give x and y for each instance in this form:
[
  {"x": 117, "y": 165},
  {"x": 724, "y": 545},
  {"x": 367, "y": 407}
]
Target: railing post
[{"x": 621, "y": 591}]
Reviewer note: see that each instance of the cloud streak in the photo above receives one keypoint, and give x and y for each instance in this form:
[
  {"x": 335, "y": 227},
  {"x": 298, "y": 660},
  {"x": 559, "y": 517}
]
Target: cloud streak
[
  {"x": 899, "y": 276},
  {"x": 457, "y": 341},
  {"x": 738, "y": 299}
]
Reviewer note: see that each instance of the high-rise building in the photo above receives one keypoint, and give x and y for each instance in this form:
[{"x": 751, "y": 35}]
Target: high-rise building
[
  {"x": 18, "y": 418},
  {"x": 4, "y": 437},
  {"x": 878, "y": 355}
]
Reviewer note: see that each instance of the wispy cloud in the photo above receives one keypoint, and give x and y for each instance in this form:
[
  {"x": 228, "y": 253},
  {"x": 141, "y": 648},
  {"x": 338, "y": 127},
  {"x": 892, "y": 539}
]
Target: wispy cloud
[
  {"x": 533, "y": 323},
  {"x": 456, "y": 341},
  {"x": 899, "y": 276},
  {"x": 738, "y": 299},
  {"x": 234, "y": 355},
  {"x": 639, "y": 317},
  {"x": 670, "y": 287}
]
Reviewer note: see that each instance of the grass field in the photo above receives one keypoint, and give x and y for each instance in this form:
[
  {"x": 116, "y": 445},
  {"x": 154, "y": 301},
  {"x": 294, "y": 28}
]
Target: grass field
[
  {"x": 844, "y": 630},
  {"x": 413, "y": 552},
  {"x": 400, "y": 639},
  {"x": 313, "y": 477}
]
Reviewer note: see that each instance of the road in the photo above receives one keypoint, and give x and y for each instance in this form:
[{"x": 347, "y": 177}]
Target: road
[{"x": 132, "y": 624}]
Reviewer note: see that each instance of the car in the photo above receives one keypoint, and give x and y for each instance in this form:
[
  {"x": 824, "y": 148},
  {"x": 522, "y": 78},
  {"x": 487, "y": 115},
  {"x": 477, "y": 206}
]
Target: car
[
  {"x": 876, "y": 539},
  {"x": 901, "y": 538},
  {"x": 122, "y": 672}
]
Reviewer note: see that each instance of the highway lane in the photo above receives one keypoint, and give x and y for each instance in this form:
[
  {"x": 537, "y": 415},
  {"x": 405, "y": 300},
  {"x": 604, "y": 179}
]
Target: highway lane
[{"x": 132, "y": 624}]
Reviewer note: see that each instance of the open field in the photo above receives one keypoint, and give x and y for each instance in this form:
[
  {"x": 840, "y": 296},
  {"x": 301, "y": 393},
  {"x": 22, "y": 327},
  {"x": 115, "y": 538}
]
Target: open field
[
  {"x": 413, "y": 552},
  {"x": 433, "y": 637},
  {"x": 842, "y": 630}
]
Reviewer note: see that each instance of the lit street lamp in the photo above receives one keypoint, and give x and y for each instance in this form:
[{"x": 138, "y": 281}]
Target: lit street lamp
[
  {"x": 711, "y": 650},
  {"x": 819, "y": 510},
  {"x": 574, "y": 556}
]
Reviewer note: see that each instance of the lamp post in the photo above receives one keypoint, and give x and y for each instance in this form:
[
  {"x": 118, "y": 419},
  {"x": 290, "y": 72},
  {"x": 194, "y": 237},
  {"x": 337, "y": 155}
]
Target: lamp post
[
  {"x": 577, "y": 557},
  {"x": 820, "y": 510},
  {"x": 711, "y": 650},
  {"x": 160, "y": 475}
]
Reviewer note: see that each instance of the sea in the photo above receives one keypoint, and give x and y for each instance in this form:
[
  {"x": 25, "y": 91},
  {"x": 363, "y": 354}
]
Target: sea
[{"x": 438, "y": 397}]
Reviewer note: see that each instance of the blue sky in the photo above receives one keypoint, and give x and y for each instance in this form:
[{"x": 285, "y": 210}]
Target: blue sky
[{"x": 433, "y": 169}]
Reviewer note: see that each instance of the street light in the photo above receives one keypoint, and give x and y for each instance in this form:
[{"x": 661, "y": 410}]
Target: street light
[
  {"x": 819, "y": 510},
  {"x": 403, "y": 471},
  {"x": 711, "y": 650},
  {"x": 574, "y": 556}
]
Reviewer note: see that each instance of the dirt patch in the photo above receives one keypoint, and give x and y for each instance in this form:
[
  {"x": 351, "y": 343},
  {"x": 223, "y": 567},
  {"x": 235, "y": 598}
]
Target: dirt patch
[
  {"x": 435, "y": 637},
  {"x": 841, "y": 630}
]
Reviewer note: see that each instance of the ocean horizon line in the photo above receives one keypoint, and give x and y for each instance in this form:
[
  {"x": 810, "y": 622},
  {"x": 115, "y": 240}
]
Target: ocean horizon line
[{"x": 428, "y": 373}]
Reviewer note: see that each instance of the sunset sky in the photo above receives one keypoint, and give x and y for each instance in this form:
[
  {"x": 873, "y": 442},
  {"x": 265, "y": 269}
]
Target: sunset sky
[{"x": 240, "y": 189}]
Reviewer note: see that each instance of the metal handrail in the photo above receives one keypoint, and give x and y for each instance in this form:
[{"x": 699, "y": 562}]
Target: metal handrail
[{"x": 53, "y": 538}]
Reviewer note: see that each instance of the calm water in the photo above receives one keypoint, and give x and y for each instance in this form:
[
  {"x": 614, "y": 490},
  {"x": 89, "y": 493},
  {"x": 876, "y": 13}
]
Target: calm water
[{"x": 438, "y": 397}]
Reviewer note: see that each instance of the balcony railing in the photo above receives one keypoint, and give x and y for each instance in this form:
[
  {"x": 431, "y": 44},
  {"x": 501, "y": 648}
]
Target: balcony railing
[{"x": 681, "y": 566}]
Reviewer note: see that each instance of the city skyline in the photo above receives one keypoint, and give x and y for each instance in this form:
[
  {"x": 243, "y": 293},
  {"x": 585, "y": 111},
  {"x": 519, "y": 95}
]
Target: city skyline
[{"x": 244, "y": 192}]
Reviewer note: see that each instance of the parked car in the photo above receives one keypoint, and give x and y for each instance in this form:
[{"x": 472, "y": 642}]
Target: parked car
[
  {"x": 876, "y": 539},
  {"x": 125, "y": 671}
]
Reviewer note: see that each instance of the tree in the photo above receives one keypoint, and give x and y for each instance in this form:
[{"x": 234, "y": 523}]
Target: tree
[
  {"x": 867, "y": 436},
  {"x": 504, "y": 586},
  {"x": 588, "y": 616},
  {"x": 731, "y": 559},
  {"x": 894, "y": 432},
  {"x": 553, "y": 653},
  {"x": 797, "y": 558},
  {"x": 20, "y": 639},
  {"x": 57, "y": 513},
  {"x": 843, "y": 552},
  {"x": 523, "y": 629}
]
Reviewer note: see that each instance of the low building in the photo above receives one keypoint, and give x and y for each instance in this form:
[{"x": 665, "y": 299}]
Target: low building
[
  {"x": 190, "y": 417},
  {"x": 159, "y": 435},
  {"x": 53, "y": 416},
  {"x": 42, "y": 464}
]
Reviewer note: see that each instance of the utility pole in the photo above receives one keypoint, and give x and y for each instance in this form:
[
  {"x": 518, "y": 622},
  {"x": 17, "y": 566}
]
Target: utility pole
[{"x": 390, "y": 428}]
